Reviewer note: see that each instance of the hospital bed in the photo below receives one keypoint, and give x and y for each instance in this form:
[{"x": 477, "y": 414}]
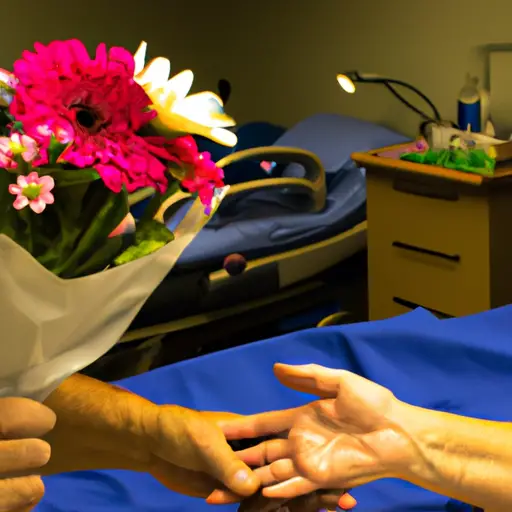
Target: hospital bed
[
  {"x": 300, "y": 228},
  {"x": 459, "y": 365}
]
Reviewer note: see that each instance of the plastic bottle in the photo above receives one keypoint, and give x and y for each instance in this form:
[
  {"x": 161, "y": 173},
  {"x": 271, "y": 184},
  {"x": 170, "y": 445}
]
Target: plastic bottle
[
  {"x": 470, "y": 106},
  {"x": 485, "y": 112}
]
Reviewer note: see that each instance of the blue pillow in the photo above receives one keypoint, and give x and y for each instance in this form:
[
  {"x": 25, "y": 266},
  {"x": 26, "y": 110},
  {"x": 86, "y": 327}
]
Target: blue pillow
[{"x": 333, "y": 138}]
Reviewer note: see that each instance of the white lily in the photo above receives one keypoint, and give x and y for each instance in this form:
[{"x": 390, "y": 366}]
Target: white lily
[{"x": 179, "y": 114}]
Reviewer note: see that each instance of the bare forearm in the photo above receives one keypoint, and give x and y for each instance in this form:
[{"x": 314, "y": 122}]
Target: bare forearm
[
  {"x": 464, "y": 458},
  {"x": 98, "y": 426}
]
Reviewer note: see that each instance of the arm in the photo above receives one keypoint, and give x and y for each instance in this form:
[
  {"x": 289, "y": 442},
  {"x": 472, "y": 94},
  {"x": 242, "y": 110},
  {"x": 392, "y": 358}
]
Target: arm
[
  {"x": 465, "y": 458},
  {"x": 99, "y": 426}
]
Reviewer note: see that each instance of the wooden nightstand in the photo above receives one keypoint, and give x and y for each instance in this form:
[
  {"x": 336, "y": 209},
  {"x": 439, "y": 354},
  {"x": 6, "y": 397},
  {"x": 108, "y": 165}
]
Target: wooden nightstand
[{"x": 437, "y": 238}]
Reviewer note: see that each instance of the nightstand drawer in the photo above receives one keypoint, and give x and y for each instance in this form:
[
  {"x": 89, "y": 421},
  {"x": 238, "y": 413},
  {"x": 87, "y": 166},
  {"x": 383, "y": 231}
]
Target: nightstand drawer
[
  {"x": 447, "y": 285},
  {"x": 442, "y": 217}
]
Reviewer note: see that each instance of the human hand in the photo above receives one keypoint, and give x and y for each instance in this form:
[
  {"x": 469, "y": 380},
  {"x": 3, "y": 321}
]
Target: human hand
[
  {"x": 190, "y": 455},
  {"x": 201, "y": 483},
  {"x": 22, "y": 452},
  {"x": 351, "y": 437}
]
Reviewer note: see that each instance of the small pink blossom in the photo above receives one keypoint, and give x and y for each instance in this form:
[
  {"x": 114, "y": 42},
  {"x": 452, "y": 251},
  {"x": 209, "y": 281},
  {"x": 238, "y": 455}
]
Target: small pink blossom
[
  {"x": 15, "y": 145},
  {"x": 33, "y": 191}
]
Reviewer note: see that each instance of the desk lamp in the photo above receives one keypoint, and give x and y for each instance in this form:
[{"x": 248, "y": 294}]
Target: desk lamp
[{"x": 348, "y": 79}]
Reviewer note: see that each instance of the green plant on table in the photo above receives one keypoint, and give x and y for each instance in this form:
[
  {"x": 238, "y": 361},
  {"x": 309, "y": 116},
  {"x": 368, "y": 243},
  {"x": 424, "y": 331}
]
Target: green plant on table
[{"x": 472, "y": 160}]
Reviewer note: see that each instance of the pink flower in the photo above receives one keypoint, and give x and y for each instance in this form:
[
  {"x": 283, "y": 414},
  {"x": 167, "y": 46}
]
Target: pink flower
[
  {"x": 202, "y": 176},
  {"x": 96, "y": 105},
  {"x": 14, "y": 145},
  {"x": 33, "y": 191}
]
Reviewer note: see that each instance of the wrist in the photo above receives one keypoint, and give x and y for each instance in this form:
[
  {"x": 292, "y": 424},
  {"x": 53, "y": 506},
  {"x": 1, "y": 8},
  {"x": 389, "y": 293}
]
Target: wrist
[
  {"x": 426, "y": 440},
  {"x": 99, "y": 426},
  {"x": 133, "y": 424}
]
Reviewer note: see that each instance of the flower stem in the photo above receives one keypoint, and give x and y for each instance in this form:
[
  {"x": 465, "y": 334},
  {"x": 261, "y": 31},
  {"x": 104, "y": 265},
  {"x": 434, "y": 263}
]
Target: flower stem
[{"x": 27, "y": 218}]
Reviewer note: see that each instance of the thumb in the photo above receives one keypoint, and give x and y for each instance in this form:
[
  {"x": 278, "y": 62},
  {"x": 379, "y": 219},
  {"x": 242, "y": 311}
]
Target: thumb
[
  {"x": 310, "y": 378},
  {"x": 224, "y": 465}
]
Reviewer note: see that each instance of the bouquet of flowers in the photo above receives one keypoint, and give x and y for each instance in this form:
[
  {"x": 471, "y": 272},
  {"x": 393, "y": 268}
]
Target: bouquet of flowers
[{"x": 78, "y": 136}]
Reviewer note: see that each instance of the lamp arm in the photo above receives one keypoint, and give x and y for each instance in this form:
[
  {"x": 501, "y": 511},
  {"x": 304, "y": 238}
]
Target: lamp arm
[
  {"x": 437, "y": 116},
  {"x": 397, "y": 95}
]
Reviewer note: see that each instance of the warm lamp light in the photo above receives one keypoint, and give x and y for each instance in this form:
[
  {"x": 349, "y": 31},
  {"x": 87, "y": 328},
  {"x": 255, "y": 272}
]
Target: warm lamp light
[
  {"x": 346, "y": 84},
  {"x": 348, "y": 80}
]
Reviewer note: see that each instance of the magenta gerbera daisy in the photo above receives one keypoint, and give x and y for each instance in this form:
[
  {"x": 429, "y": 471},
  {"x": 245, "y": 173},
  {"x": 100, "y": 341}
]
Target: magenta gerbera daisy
[{"x": 94, "y": 105}]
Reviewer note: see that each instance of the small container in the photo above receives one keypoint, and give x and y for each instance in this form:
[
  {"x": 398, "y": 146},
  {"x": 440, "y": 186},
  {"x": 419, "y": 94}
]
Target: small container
[{"x": 469, "y": 111}]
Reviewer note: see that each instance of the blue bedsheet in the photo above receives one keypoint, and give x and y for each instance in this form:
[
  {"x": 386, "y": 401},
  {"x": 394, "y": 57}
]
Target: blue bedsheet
[{"x": 460, "y": 365}]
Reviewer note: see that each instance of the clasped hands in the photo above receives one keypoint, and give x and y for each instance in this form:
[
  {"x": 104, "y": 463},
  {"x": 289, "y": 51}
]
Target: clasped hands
[{"x": 348, "y": 437}]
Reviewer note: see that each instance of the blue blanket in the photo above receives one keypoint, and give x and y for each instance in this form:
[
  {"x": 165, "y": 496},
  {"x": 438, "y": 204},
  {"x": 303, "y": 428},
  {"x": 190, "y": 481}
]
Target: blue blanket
[{"x": 459, "y": 365}]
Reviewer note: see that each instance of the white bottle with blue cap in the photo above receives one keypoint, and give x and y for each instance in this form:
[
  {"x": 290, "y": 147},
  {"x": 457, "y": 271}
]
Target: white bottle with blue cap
[{"x": 469, "y": 111}]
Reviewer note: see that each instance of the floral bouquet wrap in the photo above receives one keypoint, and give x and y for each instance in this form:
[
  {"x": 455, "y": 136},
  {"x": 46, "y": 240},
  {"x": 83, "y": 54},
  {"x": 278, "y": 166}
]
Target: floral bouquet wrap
[{"x": 79, "y": 136}]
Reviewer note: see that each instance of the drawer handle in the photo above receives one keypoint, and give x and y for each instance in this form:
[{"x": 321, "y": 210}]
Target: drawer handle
[
  {"x": 414, "y": 248},
  {"x": 412, "y": 305}
]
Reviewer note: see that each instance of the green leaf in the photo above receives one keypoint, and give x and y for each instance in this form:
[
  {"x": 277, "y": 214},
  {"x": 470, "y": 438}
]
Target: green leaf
[
  {"x": 150, "y": 236},
  {"x": 153, "y": 230},
  {"x": 17, "y": 126},
  {"x": 413, "y": 157},
  {"x": 101, "y": 258},
  {"x": 68, "y": 178},
  {"x": 103, "y": 211},
  {"x": 55, "y": 149},
  {"x": 136, "y": 252},
  {"x": 157, "y": 200},
  {"x": 431, "y": 157}
]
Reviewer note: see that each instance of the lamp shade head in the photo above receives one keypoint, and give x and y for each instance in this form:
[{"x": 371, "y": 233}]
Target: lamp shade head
[{"x": 346, "y": 83}]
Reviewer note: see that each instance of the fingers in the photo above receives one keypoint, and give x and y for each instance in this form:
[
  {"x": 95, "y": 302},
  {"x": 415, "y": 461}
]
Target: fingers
[
  {"x": 226, "y": 467},
  {"x": 20, "y": 493},
  {"x": 278, "y": 471},
  {"x": 22, "y": 418},
  {"x": 267, "y": 475},
  {"x": 266, "y": 452},
  {"x": 347, "y": 502},
  {"x": 23, "y": 455},
  {"x": 221, "y": 417},
  {"x": 291, "y": 488},
  {"x": 321, "y": 500},
  {"x": 281, "y": 469},
  {"x": 184, "y": 481},
  {"x": 258, "y": 425},
  {"x": 311, "y": 378},
  {"x": 313, "y": 502}
]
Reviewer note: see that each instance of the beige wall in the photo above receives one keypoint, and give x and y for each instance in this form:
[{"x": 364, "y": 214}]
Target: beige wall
[
  {"x": 431, "y": 44},
  {"x": 282, "y": 55}
]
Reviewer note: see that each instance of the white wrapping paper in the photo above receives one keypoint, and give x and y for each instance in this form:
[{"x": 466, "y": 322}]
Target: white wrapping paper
[{"x": 52, "y": 328}]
